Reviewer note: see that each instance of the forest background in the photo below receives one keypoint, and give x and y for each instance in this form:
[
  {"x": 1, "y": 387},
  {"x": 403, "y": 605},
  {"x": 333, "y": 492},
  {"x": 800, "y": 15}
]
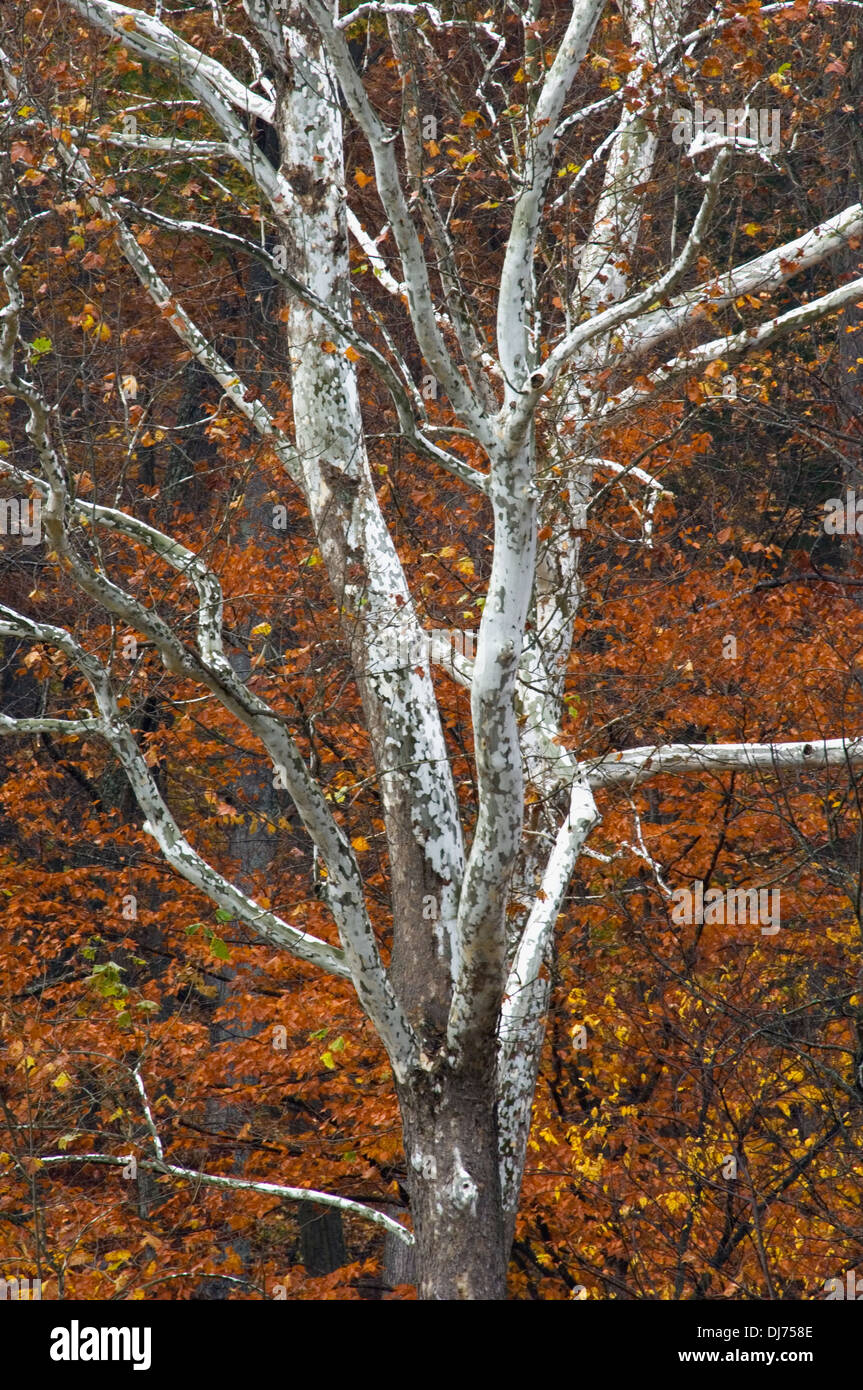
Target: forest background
[{"x": 696, "y": 1123}]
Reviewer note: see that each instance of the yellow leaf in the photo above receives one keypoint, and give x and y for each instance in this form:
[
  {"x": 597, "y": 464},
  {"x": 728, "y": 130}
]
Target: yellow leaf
[
  {"x": 360, "y": 843},
  {"x": 352, "y": 355},
  {"x": 262, "y": 630},
  {"x": 62, "y": 1081}
]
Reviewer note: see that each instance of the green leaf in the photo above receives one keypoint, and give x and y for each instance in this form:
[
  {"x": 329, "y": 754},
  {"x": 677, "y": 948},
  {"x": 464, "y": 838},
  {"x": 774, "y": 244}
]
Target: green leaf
[
  {"x": 223, "y": 916},
  {"x": 219, "y": 949},
  {"x": 328, "y": 1060}
]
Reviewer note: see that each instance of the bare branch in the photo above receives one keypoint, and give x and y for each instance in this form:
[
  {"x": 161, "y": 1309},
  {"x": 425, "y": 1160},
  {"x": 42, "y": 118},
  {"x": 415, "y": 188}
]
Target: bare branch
[
  {"x": 633, "y": 766},
  {"x": 737, "y": 344},
  {"x": 274, "y": 1189},
  {"x": 159, "y": 821},
  {"x": 765, "y": 272},
  {"x": 420, "y": 301}
]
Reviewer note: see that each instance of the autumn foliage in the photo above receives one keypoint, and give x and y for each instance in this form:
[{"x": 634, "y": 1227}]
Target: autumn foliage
[{"x": 670, "y": 1048}]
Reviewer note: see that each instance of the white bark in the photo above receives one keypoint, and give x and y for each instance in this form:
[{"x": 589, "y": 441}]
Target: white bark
[
  {"x": 345, "y": 889},
  {"x": 108, "y": 725},
  {"x": 391, "y": 192},
  {"x": 736, "y": 344},
  {"x": 515, "y": 295},
  {"x": 275, "y": 1189},
  {"x": 635, "y": 765},
  {"x": 765, "y": 272}
]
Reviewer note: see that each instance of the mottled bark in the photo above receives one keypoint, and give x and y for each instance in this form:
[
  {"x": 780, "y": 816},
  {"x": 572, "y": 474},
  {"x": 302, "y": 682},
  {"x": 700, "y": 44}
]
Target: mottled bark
[{"x": 450, "y": 1135}]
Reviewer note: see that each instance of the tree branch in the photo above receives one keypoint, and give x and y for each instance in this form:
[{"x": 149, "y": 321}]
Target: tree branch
[
  {"x": 635, "y": 765},
  {"x": 420, "y": 302},
  {"x": 159, "y": 822}
]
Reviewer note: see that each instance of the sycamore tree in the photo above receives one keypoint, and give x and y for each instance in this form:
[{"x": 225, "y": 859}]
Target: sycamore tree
[{"x": 596, "y": 148}]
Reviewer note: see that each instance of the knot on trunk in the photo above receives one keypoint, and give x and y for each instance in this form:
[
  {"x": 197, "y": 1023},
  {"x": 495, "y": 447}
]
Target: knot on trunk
[{"x": 463, "y": 1188}]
